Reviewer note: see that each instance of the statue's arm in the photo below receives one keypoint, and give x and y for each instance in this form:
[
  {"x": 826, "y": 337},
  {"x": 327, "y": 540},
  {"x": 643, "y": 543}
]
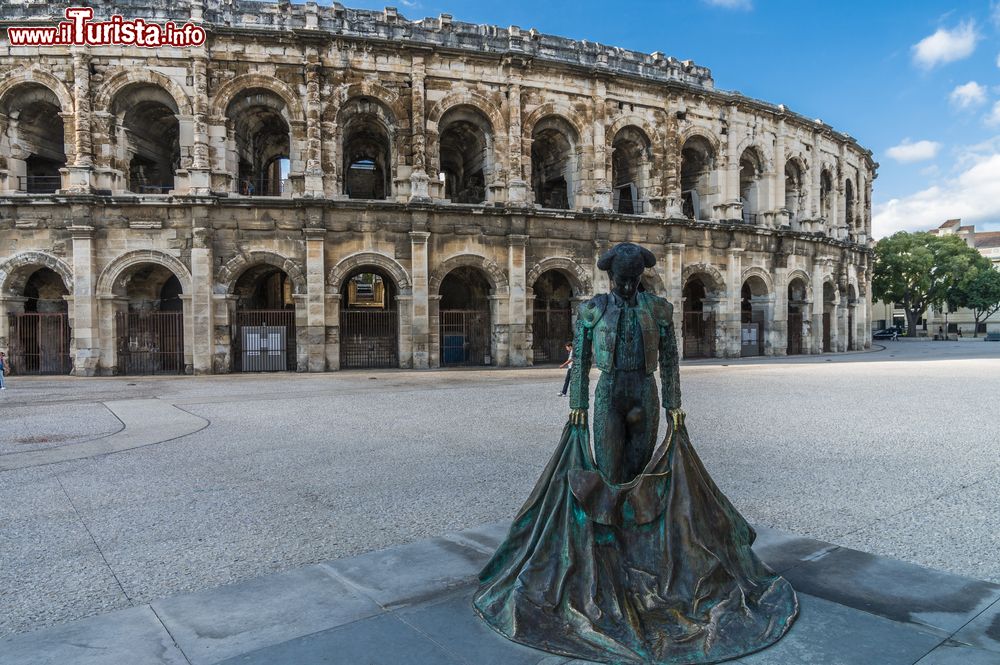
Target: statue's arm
[{"x": 670, "y": 374}]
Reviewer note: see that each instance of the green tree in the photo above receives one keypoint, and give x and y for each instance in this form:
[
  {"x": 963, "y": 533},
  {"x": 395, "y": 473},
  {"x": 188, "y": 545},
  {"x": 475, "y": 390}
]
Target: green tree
[
  {"x": 979, "y": 291},
  {"x": 915, "y": 270}
]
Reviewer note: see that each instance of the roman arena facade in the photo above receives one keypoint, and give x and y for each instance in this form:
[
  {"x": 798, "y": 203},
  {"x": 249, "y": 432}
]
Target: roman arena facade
[{"x": 318, "y": 188}]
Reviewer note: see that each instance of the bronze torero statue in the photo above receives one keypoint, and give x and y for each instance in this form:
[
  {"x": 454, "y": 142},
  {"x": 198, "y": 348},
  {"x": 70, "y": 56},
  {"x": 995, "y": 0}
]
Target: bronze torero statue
[{"x": 631, "y": 554}]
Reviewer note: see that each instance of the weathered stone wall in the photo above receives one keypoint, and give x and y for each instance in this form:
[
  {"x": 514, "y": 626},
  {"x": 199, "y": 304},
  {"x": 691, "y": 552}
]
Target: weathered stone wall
[{"x": 321, "y": 73}]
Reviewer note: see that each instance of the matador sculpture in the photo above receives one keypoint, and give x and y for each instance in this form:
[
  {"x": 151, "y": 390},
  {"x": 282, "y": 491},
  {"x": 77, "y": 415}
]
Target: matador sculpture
[{"x": 631, "y": 554}]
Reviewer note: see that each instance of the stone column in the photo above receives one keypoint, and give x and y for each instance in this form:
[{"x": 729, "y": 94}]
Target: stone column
[
  {"x": 520, "y": 347},
  {"x": 674, "y": 272},
  {"x": 517, "y": 188},
  {"x": 86, "y": 336},
  {"x": 418, "y": 177},
  {"x": 818, "y": 307},
  {"x": 313, "y": 183},
  {"x": 315, "y": 300},
  {"x": 778, "y": 191},
  {"x": 421, "y": 300},
  {"x": 779, "y": 315},
  {"x": 672, "y": 169},
  {"x": 200, "y": 303},
  {"x": 816, "y": 173},
  {"x": 199, "y": 175},
  {"x": 81, "y": 169},
  {"x": 602, "y": 179},
  {"x": 732, "y": 302}
]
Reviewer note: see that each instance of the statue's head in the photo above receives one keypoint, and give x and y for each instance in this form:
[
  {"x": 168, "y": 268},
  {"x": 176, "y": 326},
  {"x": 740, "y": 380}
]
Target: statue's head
[{"x": 625, "y": 264}]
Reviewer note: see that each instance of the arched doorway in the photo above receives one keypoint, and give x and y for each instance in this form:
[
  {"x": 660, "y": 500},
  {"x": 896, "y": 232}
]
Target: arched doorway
[
  {"x": 554, "y": 163},
  {"x": 699, "y": 321},
  {"x": 149, "y": 321},
  {"x": 148, "y": 133},
  {"x": 258, "y": 119},
  {"x": 795, "y": 192},
  {"x": 263, "y": 334},
  {"x": 751, "y": 170},
  {"x": 630, "y": 165},
  {"x": 796, "y": 316},
  {"x": 698, "y": 186},
  {"x": 829, "y": 311},
  {"x": 754, "y": 319},
  {"x": 466, "y": 139},
  {"x": 852, "y": 306},
  {"x": 464, "y": 318},
  {"x": 369, "y": 320},
  {"x": 552, "y": 317},
  {"x": 40, "y": 333},
  {"x": 366, "y": 149},
  {"x": 30, "y": 118}
]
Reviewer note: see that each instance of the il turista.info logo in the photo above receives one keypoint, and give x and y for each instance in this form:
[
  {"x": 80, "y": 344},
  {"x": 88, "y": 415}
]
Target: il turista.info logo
[{"x": 79, "y": 29}]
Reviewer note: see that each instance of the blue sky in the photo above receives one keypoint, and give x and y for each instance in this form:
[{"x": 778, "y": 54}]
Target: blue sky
[{"x": 920, "y": 76}]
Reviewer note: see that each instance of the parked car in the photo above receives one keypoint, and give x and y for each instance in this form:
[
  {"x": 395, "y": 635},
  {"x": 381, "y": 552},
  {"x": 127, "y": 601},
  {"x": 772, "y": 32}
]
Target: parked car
[{"x": 887, "y": 333}]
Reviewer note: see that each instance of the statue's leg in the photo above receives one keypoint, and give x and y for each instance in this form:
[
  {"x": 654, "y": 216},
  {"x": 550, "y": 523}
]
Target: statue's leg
[
  {"x": 643, "y": 423},
  {"x": 609, "y": 429}
]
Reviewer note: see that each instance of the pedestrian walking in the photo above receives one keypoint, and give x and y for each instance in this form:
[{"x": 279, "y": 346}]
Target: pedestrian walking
[
  {"x": 4, "y": 369},
  {"x": 569, "y": 367}
]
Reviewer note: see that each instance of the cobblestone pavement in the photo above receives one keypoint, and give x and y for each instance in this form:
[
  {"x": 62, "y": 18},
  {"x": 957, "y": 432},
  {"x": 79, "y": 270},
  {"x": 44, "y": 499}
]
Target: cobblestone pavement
[{"x": 893, "y": 452}]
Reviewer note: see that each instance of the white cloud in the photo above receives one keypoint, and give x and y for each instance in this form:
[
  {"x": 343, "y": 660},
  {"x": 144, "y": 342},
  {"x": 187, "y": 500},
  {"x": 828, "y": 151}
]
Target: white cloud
[
  {"x": 968, "y": 95},
  {"x": 973, "y": 196},
  {"x": 993, "y": 118},
  {"x": 730, "y": 4},
  {"x": 946, "y": 45},
  {"x": 919, "y": 151}
]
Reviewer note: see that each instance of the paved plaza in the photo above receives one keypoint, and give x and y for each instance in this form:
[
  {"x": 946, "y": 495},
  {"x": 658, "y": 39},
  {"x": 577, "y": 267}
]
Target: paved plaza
[{"x": 223, "y": 479}]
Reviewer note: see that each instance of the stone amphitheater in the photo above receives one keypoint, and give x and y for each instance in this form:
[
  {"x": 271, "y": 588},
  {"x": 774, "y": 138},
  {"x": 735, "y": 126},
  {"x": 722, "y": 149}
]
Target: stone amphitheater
[{"x": 317, "y": 188}]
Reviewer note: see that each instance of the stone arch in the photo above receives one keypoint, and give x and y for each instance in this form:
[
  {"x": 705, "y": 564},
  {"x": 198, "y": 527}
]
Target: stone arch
[
  {"x": 350, "y": 263},
  {"x": 715, "y": 281},
  {"x": 126, "y": 77},
  {"x": 225, "y": 95},
  {"x": 14, "y": 271},
  {"x": 37, "y": 76},
  {"x": 802, "y": 275},
  {"x": 471, "y": 98},
  {"x": 700, "y": 132},
  {"x": 579, "y": 279},
  {"x": 494, "y": 274},
  {"x": 652, "y": 135},
  {"x": 763, "y": 275},
  {"x": 553, "y": 109},
  {"x": 110, "y": 277},
  {"x": 763, "y": 153},
  {"x": 230, "y": 273},
  {"x": 373, "y": 89}
]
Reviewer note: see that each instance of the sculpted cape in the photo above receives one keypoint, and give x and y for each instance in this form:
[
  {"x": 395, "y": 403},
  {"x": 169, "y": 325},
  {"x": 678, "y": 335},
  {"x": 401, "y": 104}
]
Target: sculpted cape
[{"x": 653, "y": 567}]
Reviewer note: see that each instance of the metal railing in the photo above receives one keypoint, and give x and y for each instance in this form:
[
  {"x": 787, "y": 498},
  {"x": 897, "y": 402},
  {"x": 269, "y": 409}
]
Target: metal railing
[
  {"x": 750, "y": 218},
  {"x": 263, "y": 187},
  {"x": 628, "y": 206},
  {"x": 39, "y": 184},
  {"x": 153, "y": 189},
  {"x": 369, "y": 338}
]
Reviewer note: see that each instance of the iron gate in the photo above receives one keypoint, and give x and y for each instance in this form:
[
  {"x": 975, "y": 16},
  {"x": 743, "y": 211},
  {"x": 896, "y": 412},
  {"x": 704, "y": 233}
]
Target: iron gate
[
  {"x": 699, "y": 335},
  {"x": 827, "y": 337},
  {"x": 369, "y": 338},
  {"x": 263, "y": 340},
  {"x": 794, "y": 333},
  {"x": 465, "y": 337},
  {"x": 550, "y": 330},
  {"x": 150, "y": 342},
  {"x": 39, "y": 343}
]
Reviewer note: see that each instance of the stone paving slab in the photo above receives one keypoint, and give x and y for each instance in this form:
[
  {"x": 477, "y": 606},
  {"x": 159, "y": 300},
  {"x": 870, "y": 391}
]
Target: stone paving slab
[
  {"x": 146, "y": 421},
  {"x": 412, "y": 604}
]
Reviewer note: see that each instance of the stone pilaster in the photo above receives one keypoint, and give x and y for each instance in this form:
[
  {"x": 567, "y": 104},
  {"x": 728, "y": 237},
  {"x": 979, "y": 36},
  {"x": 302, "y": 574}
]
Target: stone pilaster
[
  {"x": 81, "y": 170},
  {"x": 732, "y": 302},
  {"x": 517, "y": 188},
  {"x": 313, "y": 183},
  {"x": 778, "y": 189},
  {"x": 315, "y": 302},
  {"x": 520, "y": 345},
  {"x": 86, "y": 335},
  {"x": 675, "y": 290},
  {"x": 202, "y": 335},
  {"x": 419, "y": 180},
  {"x": 199, "y": 179},
  {"x": 420, "y": 302},
  {"x": 818, "y": 307},
  {"x": 602, "y": 179}
]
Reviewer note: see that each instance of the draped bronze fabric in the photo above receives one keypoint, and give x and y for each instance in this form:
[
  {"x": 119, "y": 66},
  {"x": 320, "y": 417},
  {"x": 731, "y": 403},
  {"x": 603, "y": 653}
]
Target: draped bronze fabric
[{"x": 658, "y": 570}]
